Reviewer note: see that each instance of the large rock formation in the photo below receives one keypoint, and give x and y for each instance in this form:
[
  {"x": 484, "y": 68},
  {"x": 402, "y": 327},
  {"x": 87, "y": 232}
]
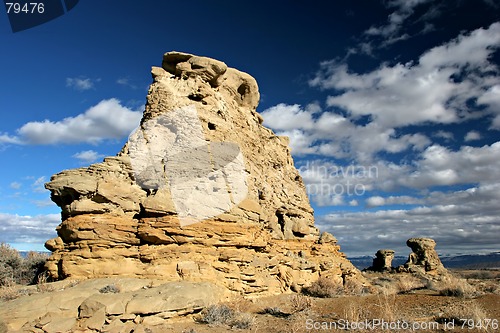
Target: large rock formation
[
  {"x": 382, "y": 261},
  {"x": 201, "y": 192},
  {"x": 423, "y": 258}
]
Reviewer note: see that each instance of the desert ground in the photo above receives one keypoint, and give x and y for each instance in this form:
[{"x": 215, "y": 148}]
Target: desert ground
[
  {"x": 402, "y": 302},
  {"x": 469, "y": 301}
]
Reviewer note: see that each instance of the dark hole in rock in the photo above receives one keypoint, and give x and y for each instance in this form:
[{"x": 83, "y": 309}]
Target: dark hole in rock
[
  {"x": 211, "y": 126},
  {"x": 196, "y": 97},
  {"x": 281, "y": 220},
  {"x": 243, "y": 89},
  {"x": 261, "y": 195}
]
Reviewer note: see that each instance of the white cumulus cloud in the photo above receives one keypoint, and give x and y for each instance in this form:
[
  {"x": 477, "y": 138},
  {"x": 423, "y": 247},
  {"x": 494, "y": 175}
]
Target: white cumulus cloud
[
  {"x": 472, "y": 136},
  {"x": 460, "y": 221},
  {"x": 79, "y": 83},
  {"x": 288, "y": 117},
  {"x": 88, "y": 156},
  {"x": 109, "y": 119},
  {"x": 435, "y": 89},
  {"x": 28, "y": 229},
  {"x": 403, "y": 10},
  {"x": 334, "y": 135}
]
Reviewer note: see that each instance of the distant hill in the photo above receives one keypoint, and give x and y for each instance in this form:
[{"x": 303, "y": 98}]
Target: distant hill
[
  {"x": 471, "y": 261},
  {"x": 25, "y": 253}
]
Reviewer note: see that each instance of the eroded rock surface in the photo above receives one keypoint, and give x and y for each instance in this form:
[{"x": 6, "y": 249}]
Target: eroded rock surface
[
  {"x": 108, "y": 305},
  {"x": 382, "y": 261},
  {"x": 423, "y": 258},
  {"x": 200, "y": 149}
]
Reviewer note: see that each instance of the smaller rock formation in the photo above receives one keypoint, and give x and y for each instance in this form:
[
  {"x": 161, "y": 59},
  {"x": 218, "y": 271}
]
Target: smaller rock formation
[
  {"x": 382, "y": 261},
  {"x": 423, "y": 258}
]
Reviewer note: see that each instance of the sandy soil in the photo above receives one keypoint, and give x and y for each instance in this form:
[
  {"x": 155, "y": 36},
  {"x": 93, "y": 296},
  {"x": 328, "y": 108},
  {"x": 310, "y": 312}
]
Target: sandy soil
[
  {"x": 398, "y": 303},
  {"x": 419, "y": 310}
]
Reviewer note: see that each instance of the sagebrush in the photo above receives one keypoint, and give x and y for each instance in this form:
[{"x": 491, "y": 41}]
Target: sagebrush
[
  {"x": 223, "y": 315},
  {"x": 14, "y": 269},
  {"x": 324, "y": 288}
]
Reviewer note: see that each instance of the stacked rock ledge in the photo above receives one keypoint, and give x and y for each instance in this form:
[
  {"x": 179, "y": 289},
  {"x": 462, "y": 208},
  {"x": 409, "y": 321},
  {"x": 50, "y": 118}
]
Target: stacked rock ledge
[
  {"x": 423, "y": 259},
  {"x": 114, "y": 226}
]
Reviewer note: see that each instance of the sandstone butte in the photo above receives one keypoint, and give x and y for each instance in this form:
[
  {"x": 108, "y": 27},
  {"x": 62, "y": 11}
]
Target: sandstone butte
[{"x": 117, "y": 222}]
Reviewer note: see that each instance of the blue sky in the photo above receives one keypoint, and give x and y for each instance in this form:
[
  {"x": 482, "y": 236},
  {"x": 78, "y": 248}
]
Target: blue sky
[{"x": 392, "y": 107}]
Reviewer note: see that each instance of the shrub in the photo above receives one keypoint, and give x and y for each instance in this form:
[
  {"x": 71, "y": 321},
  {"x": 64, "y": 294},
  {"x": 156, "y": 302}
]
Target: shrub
[
  {"x": 460, "y": 310},
  {"x": 243, "y": 321},
  {"x": 452, "y": 291},
  {"x": 323, "y": 288},
  {"x": 110, "y": 289},
  {"x": 16, "y": 269},
  {"x": 8, "y": 293},
  {"x": 224, "y": 315},
  {"x": 217, "y": 315},
  {"x": 273, "y": 311},
  {"x": 10, "y": 263},
  {"x": 407, "y": 283},
  {"x": 355, "y": 288},
  {"x": 3, "y": 327},
  {"x": 33, "y": 268},
  {"x": 457, "y": 288},
  {"x": 299, "y": 303},
  {"x": 491, "y": 288}
]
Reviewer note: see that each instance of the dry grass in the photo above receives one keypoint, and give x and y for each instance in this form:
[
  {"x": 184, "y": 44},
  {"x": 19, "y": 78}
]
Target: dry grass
[
  {"x": 243, "y": 321},
  {"x": 387, "y": 307},
  {"x": 217, "y": 315},
  {"x": 488, "y": 274},
  {"x": 456, "y": 287},
  {"x": 42, "y": 284},
  {"x": 402, "y": 283},
  {"x": 323, "y": 288},
  {"x": 299, "y": 303},
  {"x": 382, "y": 283},
  {"x": 221, "y": 314},
  {"x": 485, "y": 281},
  {"x": 9, "y": 292},
  {"x": 355, "y": 288},
  {"x": 356, "y": 313},
  {"x": 383, "y": 309},
  {"x": 3, "y": 327},
  {"x": 489, "y": 287},
  {"x": 469, "y": 310}
]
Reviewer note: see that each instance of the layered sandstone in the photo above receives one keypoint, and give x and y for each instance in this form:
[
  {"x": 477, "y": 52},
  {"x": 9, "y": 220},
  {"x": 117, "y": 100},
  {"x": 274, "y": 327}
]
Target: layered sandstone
[
  {"x": 201, "y": 192},
  {"x": 424, "y": 258},
  {"x": 382, "y": 261}
]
